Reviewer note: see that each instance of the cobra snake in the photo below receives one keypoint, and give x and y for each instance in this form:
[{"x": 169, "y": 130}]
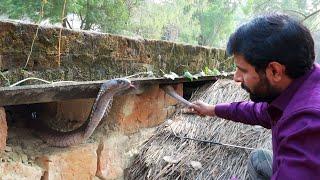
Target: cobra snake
[{"x": 100, "y": 108}]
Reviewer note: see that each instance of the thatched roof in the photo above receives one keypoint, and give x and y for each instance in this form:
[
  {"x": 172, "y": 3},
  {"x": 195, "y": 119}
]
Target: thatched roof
[{"x": 166, "y": 156}]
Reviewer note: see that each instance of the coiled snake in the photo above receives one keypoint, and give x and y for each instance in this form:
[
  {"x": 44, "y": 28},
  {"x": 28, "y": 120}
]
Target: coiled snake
[{"x": 100, "y": 108}]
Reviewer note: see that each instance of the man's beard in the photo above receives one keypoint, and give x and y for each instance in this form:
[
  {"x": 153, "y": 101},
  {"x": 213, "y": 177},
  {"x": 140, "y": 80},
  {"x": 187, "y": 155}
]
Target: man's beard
[{"x": 262, "y": 91}]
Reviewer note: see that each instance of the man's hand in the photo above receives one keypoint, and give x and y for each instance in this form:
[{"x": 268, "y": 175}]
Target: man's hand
[{"x": 201, "y": 108}]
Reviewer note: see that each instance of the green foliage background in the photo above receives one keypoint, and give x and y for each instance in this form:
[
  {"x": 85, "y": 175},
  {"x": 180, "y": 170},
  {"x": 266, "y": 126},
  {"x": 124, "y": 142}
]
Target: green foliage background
[{"x": 201, "y": 22}]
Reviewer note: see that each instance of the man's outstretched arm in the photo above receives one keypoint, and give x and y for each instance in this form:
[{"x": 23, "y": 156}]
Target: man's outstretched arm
[{"x": 244, "y": 112}]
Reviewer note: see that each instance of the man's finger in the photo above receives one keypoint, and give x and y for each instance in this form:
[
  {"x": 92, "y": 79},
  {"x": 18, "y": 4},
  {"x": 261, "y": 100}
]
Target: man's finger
[{"x": 188, "y": 111}]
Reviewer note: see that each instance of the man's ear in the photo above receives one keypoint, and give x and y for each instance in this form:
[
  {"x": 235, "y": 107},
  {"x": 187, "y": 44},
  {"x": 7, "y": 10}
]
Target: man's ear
[{"x": 275, "y": 71}]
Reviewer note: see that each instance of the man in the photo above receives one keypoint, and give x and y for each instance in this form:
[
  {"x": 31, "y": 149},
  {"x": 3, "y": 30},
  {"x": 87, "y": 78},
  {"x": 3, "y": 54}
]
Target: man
[{"x": 274, "y": 56}]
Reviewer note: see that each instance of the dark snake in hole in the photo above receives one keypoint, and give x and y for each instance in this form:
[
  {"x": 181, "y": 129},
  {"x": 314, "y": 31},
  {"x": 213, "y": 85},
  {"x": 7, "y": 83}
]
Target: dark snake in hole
[{"x": 100, "y": 108}]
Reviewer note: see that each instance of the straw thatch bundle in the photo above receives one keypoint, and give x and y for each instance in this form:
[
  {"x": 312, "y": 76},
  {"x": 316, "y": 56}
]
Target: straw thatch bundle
[{"x": 166, "y": 156}]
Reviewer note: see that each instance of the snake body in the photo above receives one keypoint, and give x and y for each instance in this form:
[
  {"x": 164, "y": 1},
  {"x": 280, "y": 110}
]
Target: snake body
[{"x": 100, "y": 108}]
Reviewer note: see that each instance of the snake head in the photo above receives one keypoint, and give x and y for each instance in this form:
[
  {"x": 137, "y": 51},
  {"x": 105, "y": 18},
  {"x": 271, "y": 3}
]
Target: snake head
[{"x": 116, "y": 85}]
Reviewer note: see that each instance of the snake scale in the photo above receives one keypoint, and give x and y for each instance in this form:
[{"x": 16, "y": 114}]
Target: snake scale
[{"x": 100, "y": 108}]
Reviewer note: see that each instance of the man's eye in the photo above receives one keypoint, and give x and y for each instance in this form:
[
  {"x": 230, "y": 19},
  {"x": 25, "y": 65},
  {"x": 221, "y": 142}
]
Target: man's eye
[{"x": 241, "y": 70}]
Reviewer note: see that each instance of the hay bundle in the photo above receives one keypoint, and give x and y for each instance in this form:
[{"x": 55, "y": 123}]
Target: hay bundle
[{"x": 165, "y": 156}]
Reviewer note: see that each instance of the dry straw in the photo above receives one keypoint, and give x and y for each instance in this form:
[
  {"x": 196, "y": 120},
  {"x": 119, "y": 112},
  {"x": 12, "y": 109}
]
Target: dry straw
[{"x": 166, "y": 156}]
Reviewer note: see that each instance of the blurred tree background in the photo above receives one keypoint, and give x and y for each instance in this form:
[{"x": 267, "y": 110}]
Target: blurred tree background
[{"x": 198, "y": 22}]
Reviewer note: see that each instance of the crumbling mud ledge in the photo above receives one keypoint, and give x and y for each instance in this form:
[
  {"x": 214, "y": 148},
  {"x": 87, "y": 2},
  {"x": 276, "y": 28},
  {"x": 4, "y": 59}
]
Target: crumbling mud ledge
[{"x": 86, "y": 56}]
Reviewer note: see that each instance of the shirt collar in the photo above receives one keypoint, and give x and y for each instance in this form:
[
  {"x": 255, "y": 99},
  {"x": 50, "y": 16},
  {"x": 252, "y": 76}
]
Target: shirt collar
[{"x": 284, "y": 98}]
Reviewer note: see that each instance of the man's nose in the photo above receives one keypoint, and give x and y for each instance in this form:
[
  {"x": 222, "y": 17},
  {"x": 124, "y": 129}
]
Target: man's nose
[{"x": 237, "y": 77}]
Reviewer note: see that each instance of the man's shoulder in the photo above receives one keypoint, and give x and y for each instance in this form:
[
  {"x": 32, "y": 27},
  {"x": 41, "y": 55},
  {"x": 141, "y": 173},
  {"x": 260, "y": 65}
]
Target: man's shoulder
[{"x": 308, "y": 95}]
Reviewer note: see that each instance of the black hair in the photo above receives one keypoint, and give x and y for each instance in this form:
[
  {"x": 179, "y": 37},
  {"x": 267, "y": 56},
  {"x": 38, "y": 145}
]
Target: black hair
[{"x": 274, "y": 37}]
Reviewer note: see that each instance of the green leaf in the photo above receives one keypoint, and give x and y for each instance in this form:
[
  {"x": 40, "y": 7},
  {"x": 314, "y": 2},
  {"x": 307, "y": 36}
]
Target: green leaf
[
  {"x": 188, "y": 75},
  {"x": 214, "y": 72},
  {"x": 207, "y": 71}
]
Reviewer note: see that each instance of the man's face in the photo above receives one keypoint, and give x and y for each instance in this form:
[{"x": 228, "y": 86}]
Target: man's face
[{"x": 256, "y": 84}]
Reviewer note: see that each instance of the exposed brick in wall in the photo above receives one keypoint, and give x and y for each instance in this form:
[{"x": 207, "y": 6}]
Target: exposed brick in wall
[
  {"x": 79, "y": 162},
  {"x": 111, "y": 153},
  {"x": 3, "y": 129},
  {"x": 18, "y": 170},
  {"x": 129, "y": 113}
]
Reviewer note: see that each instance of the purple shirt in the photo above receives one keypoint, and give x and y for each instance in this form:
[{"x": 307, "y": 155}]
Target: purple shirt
[{"x": 294, "y": 118}]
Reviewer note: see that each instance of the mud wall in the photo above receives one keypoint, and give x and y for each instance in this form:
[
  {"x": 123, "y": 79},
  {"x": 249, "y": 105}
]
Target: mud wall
[{"x": 84, "y": 56}]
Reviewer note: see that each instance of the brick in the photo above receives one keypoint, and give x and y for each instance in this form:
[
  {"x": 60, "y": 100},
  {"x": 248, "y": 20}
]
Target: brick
[
  {"x": 117, "y": 152},
  {"x": 3, "y": 129},
  {"x": 17, "y": 170},
  {"x": 132, "y": 112},
  {"x": 111, "y": 162},
  {"x": 78, "y": 162}
]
